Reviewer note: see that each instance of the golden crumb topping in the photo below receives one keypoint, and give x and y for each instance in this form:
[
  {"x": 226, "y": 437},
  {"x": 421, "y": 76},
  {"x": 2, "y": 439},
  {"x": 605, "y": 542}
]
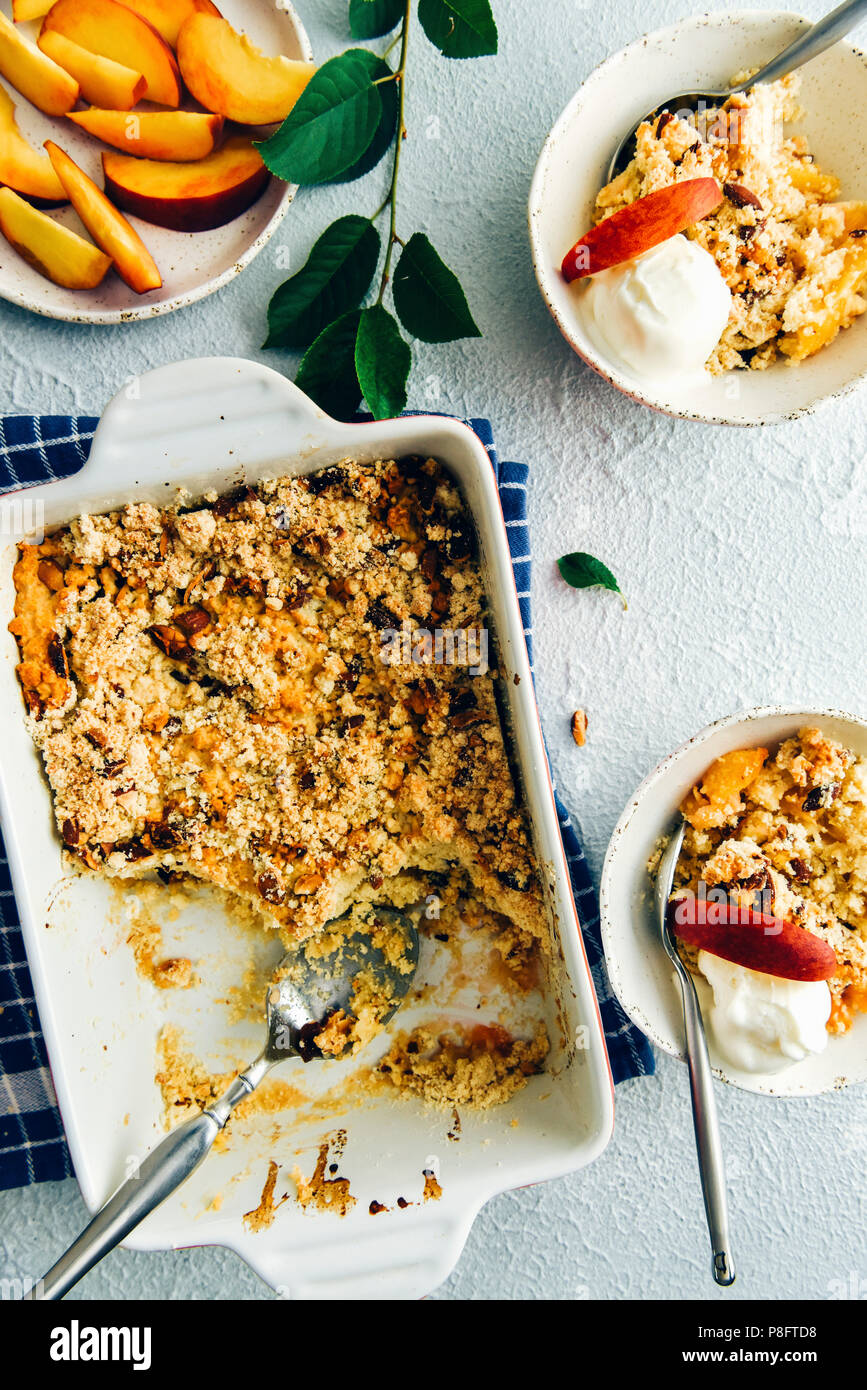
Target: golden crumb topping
[{"x": 793, "y": 255}]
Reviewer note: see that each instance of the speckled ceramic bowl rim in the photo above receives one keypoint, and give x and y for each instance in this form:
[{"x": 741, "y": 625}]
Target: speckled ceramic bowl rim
[
  {"x": 207, "y": 287},
  {"x": 667, "y": 814},
  {"x": 542, "y": 271}
]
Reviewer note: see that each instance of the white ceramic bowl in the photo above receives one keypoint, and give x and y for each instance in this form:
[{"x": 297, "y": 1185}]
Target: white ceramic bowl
[
  {"x": 699, "y": 53},
  {"x": 640, "y": 972},
  {"x": 193, "y": 264}
]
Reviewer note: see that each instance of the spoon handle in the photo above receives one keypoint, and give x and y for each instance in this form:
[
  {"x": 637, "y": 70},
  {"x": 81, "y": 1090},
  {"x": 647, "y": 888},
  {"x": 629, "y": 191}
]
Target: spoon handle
[
  {"x": 164, "y": 1169},
  {"x": 811, "y": 43},
  {"x": 707, "y": 1137}
]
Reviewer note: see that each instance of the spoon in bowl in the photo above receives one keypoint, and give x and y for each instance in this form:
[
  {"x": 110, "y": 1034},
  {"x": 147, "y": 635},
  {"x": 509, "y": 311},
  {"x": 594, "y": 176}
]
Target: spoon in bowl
[
  {"x": 704, "y": 1116},
  {"x": 810, "y": 44},
  {"x": 305, "y": 992}
]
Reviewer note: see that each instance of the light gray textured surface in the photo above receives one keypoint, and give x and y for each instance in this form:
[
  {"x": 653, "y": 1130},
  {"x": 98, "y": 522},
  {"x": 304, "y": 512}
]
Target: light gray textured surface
[{"x": 743, "y": 558}]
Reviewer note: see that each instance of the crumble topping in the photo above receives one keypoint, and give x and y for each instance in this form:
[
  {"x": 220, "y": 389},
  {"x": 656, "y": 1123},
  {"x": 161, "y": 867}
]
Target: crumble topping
[
  {"x": 791, "y": 828},
  {"x": 792, "y": 254},
  {"x": 214, "y": 690}
]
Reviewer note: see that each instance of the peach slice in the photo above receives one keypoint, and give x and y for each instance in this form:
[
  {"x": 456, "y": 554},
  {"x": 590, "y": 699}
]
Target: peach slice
[
  {"x": 753, "y": 939},
  {"x": 33, "y": 74},
  {"x": 108, "y": 227},
  {"x": 55, "y": 251},
  {"x": 188, "y": 197},
  {"x": 640, "y": 226},
  {"x": 180, "y": 136},
  {"x": 167, "y": 16},
  {"x": 228, "y": 75},
  {"x": 21, "y": 167},
  {"x": 111, "y": 30},
  {"x": 102, "y": 81},
  {"x": 25, "y": 10}
]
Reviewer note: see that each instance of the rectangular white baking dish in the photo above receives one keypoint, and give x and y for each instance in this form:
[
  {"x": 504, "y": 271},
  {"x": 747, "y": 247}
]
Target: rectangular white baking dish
[{"x": 213, "y": 423}]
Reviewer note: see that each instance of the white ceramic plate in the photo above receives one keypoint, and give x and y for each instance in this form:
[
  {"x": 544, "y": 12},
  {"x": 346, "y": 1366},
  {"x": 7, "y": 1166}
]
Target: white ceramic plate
[
  {"x": 640, "y": 972},
  {"x": 699, "y": 53},
  {"x": 193, "y": 264},
  {"x": 212, "y": 423}
]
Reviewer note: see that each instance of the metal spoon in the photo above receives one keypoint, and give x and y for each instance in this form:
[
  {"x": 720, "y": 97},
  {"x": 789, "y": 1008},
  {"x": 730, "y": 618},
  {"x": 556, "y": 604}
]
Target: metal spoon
[
  {"x": 704, "y": 1116},
  {"x": 809, "y": 45},
  {"x": 296, "y": 1004}
]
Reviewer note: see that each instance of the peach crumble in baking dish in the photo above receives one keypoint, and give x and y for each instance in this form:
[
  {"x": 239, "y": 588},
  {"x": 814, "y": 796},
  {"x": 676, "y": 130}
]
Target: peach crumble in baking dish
[
  {"x": 784, "y": 835},
  {"x": 284, "y": 693},
  {"x": 793, "y": 256}
]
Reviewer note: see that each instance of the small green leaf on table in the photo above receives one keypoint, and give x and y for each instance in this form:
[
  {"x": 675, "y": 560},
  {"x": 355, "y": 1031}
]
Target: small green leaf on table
[
  {"x": 370, "y": 19},
  {"x": 334, "y": 280},
  {"x": 428, "y": 297},
  {"x": 382, "y": 362},
  {"x": 327, "y": 372},
  {"x": 331, "y": 125},
  {"x": 584, "y": 571},
  {"x": 459, "y": 28}
]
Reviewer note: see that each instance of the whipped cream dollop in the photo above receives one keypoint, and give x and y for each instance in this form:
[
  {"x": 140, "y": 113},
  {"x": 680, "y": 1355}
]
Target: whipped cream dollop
[
  {"x": 760, "y": 1022},
  {"x": 662, "y": 314}
]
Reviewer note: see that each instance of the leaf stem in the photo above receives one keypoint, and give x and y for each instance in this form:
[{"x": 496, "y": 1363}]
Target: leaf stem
[{"x": 391, "y": 197}]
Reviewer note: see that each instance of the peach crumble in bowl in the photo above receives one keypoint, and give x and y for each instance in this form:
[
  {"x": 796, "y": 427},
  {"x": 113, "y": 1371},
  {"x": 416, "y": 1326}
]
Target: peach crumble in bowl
[
  {"x": 769, "y": 905},
  {"x": 724, "y": 273},
  {"x": 257, "y": 698}
]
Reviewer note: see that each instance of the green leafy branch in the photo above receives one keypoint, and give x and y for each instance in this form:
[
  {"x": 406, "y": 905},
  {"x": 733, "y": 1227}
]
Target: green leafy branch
[{"x": 348, "y": 117}]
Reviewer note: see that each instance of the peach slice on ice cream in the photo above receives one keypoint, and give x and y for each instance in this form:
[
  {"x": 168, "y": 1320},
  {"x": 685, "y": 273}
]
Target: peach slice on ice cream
[
  {"x": 111, "y": 30},
  {"x": 101, "y": 80},
  {"x": 33, "y": 74},
  {"x": 188, "y": 197},
  {"x": 55, "y": 251},
  {"x": 228, "y": 75},
  {"x": 640, "y": 226},
  {"x": 108, "y": 227},
  {"x": 180, "y": 136},
  {"x": 22, "y": 167}
]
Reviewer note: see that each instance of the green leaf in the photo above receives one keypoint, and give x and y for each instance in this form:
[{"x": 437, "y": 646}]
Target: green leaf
[
  {"x": 335, "y": 279},
  {"x": 370, "y": 19},
  {"x": 331, "y": 125},
  {"x": 584, "y": 571},
  {"x": 389, "y": 94},
  {"x": 459, "y": 28},
  {"x": 382, "y": 361},
  {"x": 327, "y": 372},
  {"x": 428, "y": 297}
]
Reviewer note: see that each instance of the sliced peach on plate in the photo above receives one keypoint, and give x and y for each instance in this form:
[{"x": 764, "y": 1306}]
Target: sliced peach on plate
[
  {"x": 108, "y": 227},
  {"x": 33, "y": 74},
  {"x": 640, "y": 226},
  {"x": 25, "y": 10},
  {"x": 111, "y": 30},
  {"x": 21, "y": 166},
  {"x": 167, "y": 16},
  {"x": 188, "y": 197},
  {"x": 101, "y": 80},
  {"x": 55, "y": 251},
  {"x": 227, "y": 74},
  {"x": 753, "y": 939},
  {"x": 180, "y": 136}
]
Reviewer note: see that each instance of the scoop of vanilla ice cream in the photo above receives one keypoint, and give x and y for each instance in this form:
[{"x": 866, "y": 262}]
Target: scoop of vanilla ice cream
[
  {"x": 663, "y": 313},
  {"x": 760, "y": 1022}
]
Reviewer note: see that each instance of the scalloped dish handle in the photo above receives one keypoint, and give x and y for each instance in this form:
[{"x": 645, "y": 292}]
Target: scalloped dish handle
[{"x": 247, "y": 415}]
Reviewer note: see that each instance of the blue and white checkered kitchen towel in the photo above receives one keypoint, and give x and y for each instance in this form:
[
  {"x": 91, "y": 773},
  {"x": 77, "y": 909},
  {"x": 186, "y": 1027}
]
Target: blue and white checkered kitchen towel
[{"x": 32, "y": 1145}]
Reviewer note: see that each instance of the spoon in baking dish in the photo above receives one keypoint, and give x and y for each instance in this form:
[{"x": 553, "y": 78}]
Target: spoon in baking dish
[
  {"x": 306, "y": 990},
  {"x": 704, "y": 1116},
  {"x": 811, "y": 43}
]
